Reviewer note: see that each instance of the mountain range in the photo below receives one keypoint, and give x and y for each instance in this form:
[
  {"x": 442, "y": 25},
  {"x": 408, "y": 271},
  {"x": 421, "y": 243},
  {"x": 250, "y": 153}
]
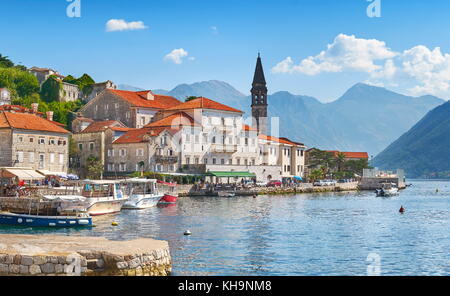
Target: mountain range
[
  {"x": 366, "y": 118},
  {"x": 424, "y": 150}
]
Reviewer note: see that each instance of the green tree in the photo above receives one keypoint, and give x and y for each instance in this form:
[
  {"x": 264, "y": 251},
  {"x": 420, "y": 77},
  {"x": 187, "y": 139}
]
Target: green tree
[
  {"x": 94, "y": 168},
  {"x": 51, "y": 89},
  {"x": 20, "y": 83},
  {"x": 5, "y": 62},
  {"x": 340, "y": 161}
]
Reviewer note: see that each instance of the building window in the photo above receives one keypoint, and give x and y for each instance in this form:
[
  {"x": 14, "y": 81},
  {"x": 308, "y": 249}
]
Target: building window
[
  {"x": 41, "y": 141},
  {"x": 20, "y": 139},
  {"x": 91, "y": 146},
  {"x": 197, "y": 160},
  {"x": 128, "y": 115},
  {"x": 188, "y": 160},
  {"x": 142, "y": 120},
  {"x": 110, "y": 152},
  {"x": 110, "y": 167},
  {"x": 140, "y": 152},
  {"x": 214, "y": 161},
  {"x": 31, "y": 140},
  {"x": 41, "y": 161},
  {"x": 61, "y": 158},
  {"x": 253, "y": 161},
  {"x": 205, "y": 160},
  {"x": 245, "y": 161},
  {"x": 31, "y": 157},
  {"x": 52, "y": 157},
  {"x": 51, "y": 142},
  {"x": 122, "y": 152},
  {"x": 238, "y": 161},
  {"x": 80, "y": 146},
  {"x": 222, "y": 161},
  {"x": 230, "y": 161},
  {"x": 123, "y": 167}
]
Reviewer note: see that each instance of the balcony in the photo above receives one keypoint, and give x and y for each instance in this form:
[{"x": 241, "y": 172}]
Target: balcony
[
  {"x": 220, "y": 148},
  {"x": 165, "y": 159}
]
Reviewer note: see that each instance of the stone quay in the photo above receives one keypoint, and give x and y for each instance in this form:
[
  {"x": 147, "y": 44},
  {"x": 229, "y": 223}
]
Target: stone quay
[{"x": 46, "y": 255}]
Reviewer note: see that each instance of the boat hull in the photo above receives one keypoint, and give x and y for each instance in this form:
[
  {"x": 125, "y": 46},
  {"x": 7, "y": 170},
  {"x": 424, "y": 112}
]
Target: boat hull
[
  {"x": 140, "y": 202},
  {"x": 98, "y": 208},
  {"x": 168, "y": 199},
  {"x": 44, "y": 221}
]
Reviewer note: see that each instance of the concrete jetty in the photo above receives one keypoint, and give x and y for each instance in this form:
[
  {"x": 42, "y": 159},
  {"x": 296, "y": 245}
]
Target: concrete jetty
[{"x": 82, "y": 256}]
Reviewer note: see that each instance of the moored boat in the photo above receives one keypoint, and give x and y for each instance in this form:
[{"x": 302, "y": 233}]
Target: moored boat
[
  {"x": 81, "y": 219},
  {"x": 387, "y": 190},
  {"x": 101, "y": 196},
  {"x": 168, "y": 199},
  {"x": 141, "y": 193}
]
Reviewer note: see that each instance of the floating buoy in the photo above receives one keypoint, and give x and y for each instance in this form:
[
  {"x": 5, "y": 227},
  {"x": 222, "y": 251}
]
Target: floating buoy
[
  {"x": 437, "y": 190},
  {"x": 187, "y": 232},
  {"x": 254, "y": 195},
  {"x": 115, "y": 224},
  {"x": 402, "y": 210}
]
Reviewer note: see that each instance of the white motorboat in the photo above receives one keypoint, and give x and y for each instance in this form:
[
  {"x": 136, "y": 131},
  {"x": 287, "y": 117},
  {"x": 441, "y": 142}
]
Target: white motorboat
[
  {"x": 141, "y": 193},
  {"x": 387, "y": 190},
  {"x": 100, "y": 196}
]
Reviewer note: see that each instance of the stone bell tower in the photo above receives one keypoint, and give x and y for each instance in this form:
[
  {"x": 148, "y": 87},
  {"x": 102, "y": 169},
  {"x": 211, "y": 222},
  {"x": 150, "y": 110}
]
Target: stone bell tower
[{"x": 259, "y": 99}]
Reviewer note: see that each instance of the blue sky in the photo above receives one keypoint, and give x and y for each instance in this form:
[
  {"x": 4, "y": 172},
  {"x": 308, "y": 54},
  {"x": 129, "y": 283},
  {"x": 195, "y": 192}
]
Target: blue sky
[{"x": 222, "y": 38}]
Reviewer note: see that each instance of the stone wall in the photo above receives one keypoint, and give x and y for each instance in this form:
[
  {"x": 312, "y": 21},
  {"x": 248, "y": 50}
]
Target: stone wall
[{"x": 82, "y": 256}]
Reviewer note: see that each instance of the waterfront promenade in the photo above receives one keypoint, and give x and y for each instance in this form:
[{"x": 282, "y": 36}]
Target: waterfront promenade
[{"x": 69, "y": 255}]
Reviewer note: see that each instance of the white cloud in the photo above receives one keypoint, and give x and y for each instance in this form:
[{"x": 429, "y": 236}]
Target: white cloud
[
  {"x": 121, "y": 25},
  {"x": 176, "y": 56},
  {"x": 345, "y": 53},
  {"x": 418, "y": 70}
]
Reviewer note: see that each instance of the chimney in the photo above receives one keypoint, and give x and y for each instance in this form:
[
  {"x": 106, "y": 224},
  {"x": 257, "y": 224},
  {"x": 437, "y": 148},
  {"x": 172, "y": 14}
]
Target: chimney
[
  {"x": 49, "y": 115},
  {"x": 150, "y": 96},
  {"x": 34, "y": 107}
]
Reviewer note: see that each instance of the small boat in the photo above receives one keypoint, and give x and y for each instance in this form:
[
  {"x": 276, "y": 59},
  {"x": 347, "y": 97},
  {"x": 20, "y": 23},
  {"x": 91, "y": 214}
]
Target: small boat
[
  {"x": 142, "y": 194},
  {"x": 387, "y": 190},
  {"x": 168, "y": 199},
  {"x": 101, "y": 196},
  {"x": 82, "y": 219},
  {"x": 226, "y": 194}
]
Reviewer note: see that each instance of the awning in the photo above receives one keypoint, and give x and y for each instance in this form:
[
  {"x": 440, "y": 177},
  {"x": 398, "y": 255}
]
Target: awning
[
  {"x": 232, "y": 174},
  {"x": 298, "y": 178},
  {"x": 49, "y": 173},
  {"x": 22, "y": 174}
]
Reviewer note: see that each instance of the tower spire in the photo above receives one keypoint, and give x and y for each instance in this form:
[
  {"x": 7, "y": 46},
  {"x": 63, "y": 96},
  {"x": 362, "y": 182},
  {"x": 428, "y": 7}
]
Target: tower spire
[{"x": 259, "y": 98}]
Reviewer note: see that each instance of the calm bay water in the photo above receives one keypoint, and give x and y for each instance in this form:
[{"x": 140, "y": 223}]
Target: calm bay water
[{"x": 308, "y": 234}]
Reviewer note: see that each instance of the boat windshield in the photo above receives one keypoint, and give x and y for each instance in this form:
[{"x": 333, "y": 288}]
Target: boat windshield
[
  {"x": 140, "y": 188},
  {"x": 98, "y": 190}
]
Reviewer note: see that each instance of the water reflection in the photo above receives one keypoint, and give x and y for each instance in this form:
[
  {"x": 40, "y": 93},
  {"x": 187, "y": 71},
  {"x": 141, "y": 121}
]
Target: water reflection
[{"x": 309, "y": 234}]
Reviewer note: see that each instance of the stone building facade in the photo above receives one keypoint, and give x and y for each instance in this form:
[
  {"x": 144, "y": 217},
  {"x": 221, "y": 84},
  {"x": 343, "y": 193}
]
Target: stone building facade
[
  {"x": 95, "y": 141},
  {"x": 69, "y": 92},
  {"x": 134, "y": 109},
  {"x": 97, "y": 88},
  {"x": 28, "y": 140}
]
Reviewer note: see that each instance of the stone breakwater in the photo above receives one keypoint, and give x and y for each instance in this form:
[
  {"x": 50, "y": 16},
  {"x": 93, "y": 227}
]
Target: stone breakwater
[{"x": 82, "y": 256}]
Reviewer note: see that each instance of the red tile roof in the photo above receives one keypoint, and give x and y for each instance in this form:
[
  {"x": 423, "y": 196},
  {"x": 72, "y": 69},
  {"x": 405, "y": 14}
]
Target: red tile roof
[
  {"x": 248, "y": 128},
  {"x": 28, "y": 121},
  {"x": 203, "y": 103},
  {"x": 138, "y": 135},
  {"x": 17, "y": 108},
  {"x": 174, "y": 120},
  {"x": 357, "y": 155},
  {"x": 100, "y": 126},
  {"x": 139, "y": 99},
  {"x": 279, "y": 140}
]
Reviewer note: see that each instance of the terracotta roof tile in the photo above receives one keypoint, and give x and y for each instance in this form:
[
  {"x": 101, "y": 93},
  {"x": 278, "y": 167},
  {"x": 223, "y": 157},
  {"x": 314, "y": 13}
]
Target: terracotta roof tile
[
  {"x": 203, "y": 103},
  {"x": 138, "y": 135},
  {"x": 279, "y": 140},
  {"x": 174, "y": 120},
  {"x": 139, "y": 99},
  {"x": 99, "y": 126},
  {"x": 29, "y": 122},
  {"x": 360, "y": 155}
]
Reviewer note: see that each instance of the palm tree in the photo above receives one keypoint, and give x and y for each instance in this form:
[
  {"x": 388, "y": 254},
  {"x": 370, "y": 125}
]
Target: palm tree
[{"x": 340, "y": 160}]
